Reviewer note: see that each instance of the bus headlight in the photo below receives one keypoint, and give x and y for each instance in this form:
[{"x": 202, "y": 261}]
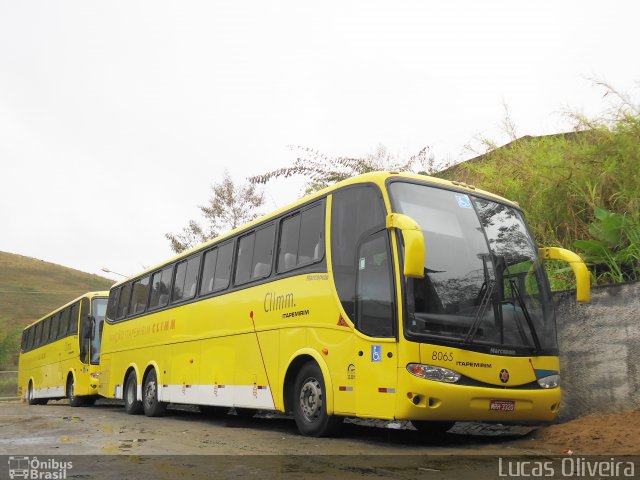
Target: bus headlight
[
  {"x": 431, "y": 372},
  {"x": 552, "y": 381}
]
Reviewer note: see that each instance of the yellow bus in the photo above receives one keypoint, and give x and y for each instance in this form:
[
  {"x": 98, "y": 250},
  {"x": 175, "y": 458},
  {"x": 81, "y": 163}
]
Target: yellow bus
[
  {"x": 389, "y": 296},
  {"x": 60, "y": 353}
]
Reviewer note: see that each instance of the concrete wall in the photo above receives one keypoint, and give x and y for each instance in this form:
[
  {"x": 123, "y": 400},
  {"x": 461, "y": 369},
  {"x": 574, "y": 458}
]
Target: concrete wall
[{"x": 599, "y": 350}]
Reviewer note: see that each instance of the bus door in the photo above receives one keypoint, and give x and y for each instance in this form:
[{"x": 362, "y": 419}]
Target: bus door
[
  {"x": 376, "y": 348},
  {"x": 84, "y": 334}
]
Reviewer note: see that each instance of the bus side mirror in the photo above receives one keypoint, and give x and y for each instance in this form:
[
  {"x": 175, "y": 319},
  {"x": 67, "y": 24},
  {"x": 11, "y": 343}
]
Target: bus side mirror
[
  {"x": 413, "y": 243},
  {"x": 580, "y": 270}
]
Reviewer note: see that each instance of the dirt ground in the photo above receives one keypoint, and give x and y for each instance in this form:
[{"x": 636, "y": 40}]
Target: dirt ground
[
  {"x": 187, "y": 444},
  {"x": 613, "y": 433}
]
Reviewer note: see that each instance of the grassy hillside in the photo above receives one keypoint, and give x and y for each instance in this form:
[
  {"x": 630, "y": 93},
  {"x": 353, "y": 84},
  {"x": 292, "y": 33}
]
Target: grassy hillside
[
  {"x": 29, "y": 289},
  {"x": 580, "y": 190}
]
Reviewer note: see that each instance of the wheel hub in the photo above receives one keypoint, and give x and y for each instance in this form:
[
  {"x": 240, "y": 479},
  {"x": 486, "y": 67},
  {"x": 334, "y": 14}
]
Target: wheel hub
[
  {"x": 150, "y": 393},
  {"x": 311, "y": 399}
]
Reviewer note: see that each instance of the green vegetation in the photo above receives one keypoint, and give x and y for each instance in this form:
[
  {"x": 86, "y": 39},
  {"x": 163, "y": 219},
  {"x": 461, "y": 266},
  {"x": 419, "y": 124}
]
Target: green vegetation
[
  {"x": 29, "y": 289},
  {"x": 580, "y": 190},
  {"x": 8, "y": 384}
]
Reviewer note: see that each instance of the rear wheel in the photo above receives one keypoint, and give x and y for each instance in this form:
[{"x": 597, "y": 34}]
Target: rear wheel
[
  {"x": 309, "y": 404},
  {"x": 132, "y": 405},
  {"x": 435, "y": 428},
  {"x": 152, "y": 407},
  {"x": 30, "y": 398},
  {"x": 74, "y": 400}
]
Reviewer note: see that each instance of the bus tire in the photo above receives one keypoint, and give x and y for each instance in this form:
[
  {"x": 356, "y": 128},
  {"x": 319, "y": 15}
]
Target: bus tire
[
  {"x": 74, "y": 400},
  {"x": 434, "y": 428},
  {"x": 152, "y": 407},
  {"x": 132, "y": 405},
  {"x": 309, "y": 404},
  {"x": 30, "y": 398}
]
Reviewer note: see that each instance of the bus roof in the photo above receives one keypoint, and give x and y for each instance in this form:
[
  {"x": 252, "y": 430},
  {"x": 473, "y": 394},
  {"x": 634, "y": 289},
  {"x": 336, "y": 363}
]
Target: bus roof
[
  {"x": 378, "y": 178},
  {"x": 89, "y": 295}
]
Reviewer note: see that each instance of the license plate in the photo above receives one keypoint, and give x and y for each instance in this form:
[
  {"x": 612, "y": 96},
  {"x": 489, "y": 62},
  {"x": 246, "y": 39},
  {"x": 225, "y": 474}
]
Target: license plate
[{"x": 502, "y": 405}]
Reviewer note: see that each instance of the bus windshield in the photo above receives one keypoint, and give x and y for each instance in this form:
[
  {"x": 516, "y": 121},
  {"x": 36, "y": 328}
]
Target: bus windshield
[{"x": 484, "y": 286}]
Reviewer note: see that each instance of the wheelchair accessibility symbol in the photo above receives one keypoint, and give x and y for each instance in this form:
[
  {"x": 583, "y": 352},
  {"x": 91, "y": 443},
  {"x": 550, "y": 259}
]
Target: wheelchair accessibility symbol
[
  {"x": 463, "y": 201},
  {"x": 376, "y": 353}
]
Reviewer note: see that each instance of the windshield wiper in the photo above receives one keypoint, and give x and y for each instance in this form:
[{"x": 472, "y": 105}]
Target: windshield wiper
[
  {"x": 482, "y": 308},
  {"x": 525, "y": 313}
]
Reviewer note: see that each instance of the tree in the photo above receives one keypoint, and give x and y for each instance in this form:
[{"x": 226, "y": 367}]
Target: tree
[
  {"x": 323, "y": 170},
  {"x": 229, "y": 206}
]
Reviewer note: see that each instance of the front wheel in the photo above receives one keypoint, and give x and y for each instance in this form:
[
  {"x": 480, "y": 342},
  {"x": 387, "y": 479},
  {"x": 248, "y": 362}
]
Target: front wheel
[
  {"x": 152, "y": 407},
  {"x": 309, "y": 404},
  {"x": 132, "y": 405},
  {"x": 74, "y": 400}
]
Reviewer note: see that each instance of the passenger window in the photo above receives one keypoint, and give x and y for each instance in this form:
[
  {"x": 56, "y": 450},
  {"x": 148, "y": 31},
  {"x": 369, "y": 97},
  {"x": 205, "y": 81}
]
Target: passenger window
[
  {"x": 25, "y": 340},
  {"x": 289, "y": 236},
  {"x": 160, "y": 288},
  {"x": 311, "y": 247},
  {"x": 64, "y": 322},
  {"x": 184, "y": 285},
  {"x": 208, "y": 271},
  {"x": 55, "y": 325},
  {"x": 261, "y": 266},
  {"x": 38, "y": 335},
  {"x": 245, "y": 256},
  {"x": 301, "y": 239},
  {"x": 32, "y": 337},
  {"x": 123, "y": 303},
  {"x": 46, "y": 330},
  {"x": 139, "y": 295},
  {"x": 73, "y": 320},
  {"x": 112, "y": 305},
  {"x": 223, "y": 267}
]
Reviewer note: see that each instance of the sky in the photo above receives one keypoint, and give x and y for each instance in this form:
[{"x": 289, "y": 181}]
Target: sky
[{"x": 117, "y": 117}]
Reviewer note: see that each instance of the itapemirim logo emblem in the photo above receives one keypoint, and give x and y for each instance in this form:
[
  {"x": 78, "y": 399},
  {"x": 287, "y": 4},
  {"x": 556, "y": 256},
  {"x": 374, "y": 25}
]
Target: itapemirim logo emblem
[{"x": 34, "y": 468}]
